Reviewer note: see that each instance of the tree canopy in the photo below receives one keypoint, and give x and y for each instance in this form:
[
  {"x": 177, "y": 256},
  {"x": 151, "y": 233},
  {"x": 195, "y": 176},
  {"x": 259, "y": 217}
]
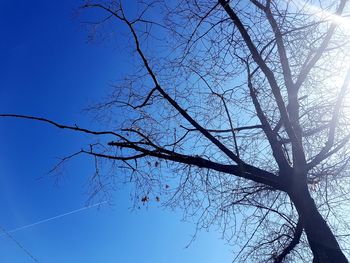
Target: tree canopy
[{"x": 236, "y": 112}]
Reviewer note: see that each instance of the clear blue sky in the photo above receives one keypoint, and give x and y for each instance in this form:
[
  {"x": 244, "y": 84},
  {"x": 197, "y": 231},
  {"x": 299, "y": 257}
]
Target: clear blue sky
[{"x": 48, "y": 69}]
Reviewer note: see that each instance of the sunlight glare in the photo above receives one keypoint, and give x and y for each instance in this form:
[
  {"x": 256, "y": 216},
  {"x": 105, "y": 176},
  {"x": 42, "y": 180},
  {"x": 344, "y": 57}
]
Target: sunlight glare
[{"x": 341, "y": 21}]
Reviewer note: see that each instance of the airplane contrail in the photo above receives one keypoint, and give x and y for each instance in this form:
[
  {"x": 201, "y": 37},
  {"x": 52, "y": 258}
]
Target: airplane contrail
[
  {"x": 52, "y": 218},
  {"x": 19, "y": 244}
]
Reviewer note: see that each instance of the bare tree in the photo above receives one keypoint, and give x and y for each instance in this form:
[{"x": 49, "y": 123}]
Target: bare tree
[{"x": 238, "y": 113}]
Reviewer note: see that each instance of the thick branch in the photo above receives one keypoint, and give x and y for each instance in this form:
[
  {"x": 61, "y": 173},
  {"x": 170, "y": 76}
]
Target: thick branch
[
  {"x": 295, "y": 241},
  {"x": 250, "y": 172},
  {"x": 265, "y": 69},
  {"x": 183, "y": 112},
  {"x": 276, "y": 145},
  {"x": 237, "y": 129}
]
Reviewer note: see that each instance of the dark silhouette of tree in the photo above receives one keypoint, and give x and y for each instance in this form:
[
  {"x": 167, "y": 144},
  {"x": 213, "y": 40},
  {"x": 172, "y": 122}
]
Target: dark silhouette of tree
[{"x": 237, "y": 113}]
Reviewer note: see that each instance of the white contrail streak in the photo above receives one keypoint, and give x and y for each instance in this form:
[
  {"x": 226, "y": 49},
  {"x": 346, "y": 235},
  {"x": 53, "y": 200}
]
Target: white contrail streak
[
  {"x": 52, "y": 218},
  {"x": 19, "y": 244}
]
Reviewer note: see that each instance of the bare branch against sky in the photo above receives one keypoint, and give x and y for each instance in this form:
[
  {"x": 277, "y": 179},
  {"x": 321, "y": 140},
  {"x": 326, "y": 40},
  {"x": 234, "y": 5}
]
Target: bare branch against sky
[{"x": 237, "y": 112}]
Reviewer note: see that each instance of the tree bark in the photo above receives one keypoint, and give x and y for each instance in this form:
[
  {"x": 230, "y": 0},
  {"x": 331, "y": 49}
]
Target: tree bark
[{"x": 322, "y": 241}]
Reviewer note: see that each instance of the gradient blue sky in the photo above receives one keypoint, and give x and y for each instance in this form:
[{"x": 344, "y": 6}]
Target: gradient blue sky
[{"x": 48, "y": 69}]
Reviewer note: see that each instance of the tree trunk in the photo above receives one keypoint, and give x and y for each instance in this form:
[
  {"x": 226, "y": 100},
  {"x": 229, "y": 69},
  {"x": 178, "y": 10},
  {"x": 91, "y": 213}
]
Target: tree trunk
[{"x": 322, "y": 241}]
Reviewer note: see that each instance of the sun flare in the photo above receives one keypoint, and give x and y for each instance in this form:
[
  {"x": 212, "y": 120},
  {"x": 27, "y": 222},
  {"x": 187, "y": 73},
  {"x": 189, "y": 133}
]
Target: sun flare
[{"x": 341, "y": 21}]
